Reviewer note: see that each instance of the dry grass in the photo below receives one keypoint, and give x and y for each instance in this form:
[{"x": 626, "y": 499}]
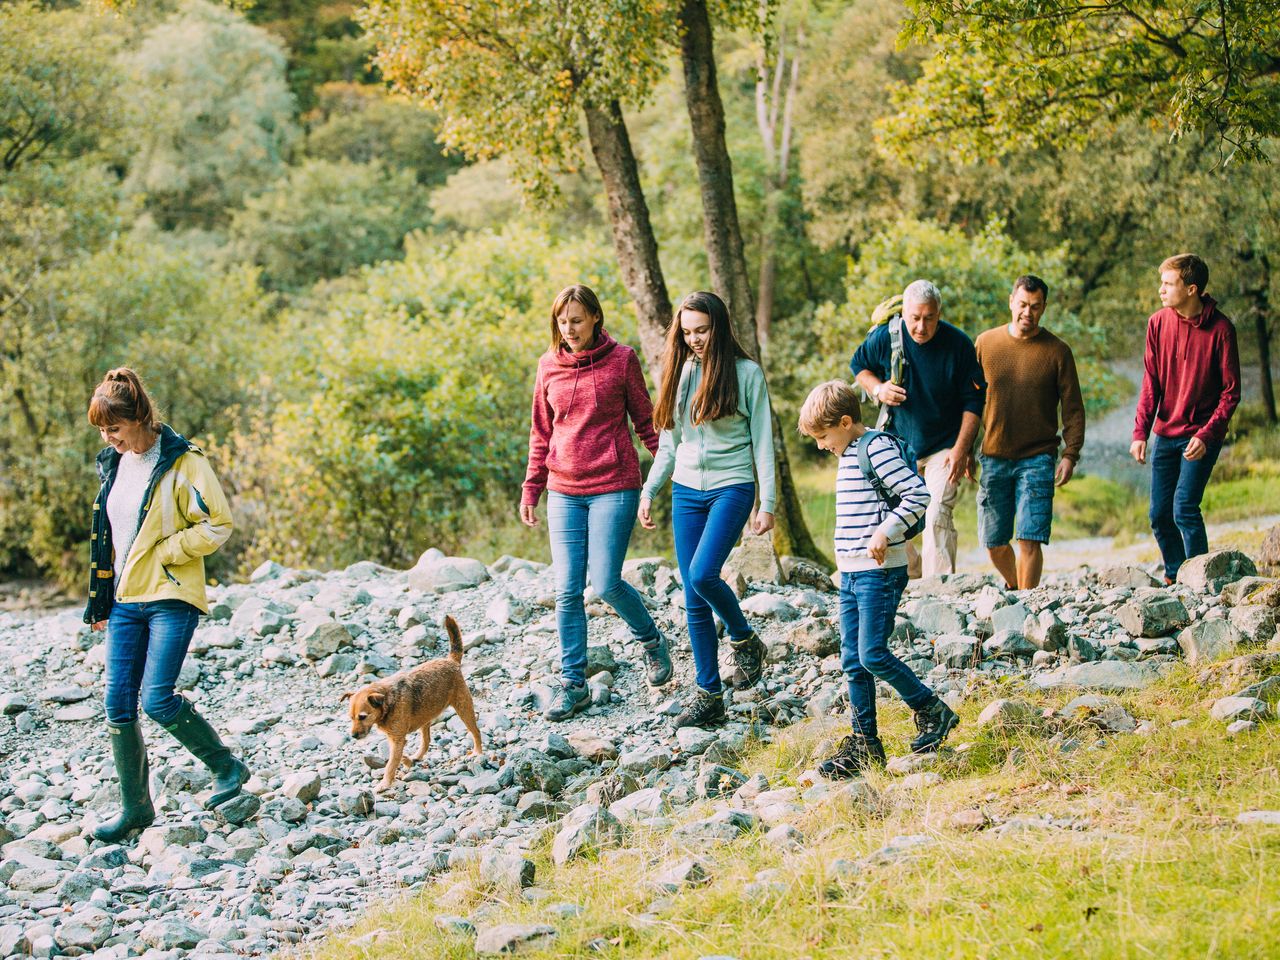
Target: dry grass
[{"x": 1146, "y": 859}]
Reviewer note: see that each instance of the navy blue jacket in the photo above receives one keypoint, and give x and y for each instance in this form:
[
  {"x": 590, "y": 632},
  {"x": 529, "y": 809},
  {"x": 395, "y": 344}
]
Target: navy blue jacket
[{"x": 943, "y": 379}]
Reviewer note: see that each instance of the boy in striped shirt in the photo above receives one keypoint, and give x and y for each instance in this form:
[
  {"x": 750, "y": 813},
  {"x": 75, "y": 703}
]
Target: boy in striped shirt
[{"x": 871, "y": 554}]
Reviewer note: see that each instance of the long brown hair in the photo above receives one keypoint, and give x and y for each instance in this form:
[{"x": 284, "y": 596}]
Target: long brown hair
[
  {"x": 717, "y": 394},
  {"x": 121, "y": 397},
  {"x": 575, "y": 293}
]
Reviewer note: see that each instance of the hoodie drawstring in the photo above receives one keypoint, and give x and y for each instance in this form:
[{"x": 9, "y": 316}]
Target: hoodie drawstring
[{"x": 577, "y": 371}]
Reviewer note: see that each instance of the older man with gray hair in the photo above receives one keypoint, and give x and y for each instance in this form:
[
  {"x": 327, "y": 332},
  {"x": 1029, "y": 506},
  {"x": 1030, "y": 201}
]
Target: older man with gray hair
[{"x": 932, "y": 386}]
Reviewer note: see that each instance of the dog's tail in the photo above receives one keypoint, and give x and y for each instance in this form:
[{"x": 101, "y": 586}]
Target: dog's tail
[{"x": 455, "y": 639}]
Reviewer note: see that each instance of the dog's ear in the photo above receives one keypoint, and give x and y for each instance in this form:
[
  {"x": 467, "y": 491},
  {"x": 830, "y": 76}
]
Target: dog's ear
[
  {"x": 347, "y": 696},
  {"x": 377, "y": 700}
]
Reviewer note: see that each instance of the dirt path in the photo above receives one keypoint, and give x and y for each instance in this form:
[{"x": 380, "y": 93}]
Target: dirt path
[{"x": 1097, "y": 552}]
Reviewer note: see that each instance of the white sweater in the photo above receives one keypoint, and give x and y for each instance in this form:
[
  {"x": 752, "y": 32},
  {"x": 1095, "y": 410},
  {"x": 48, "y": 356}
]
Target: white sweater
[{"x": 124, "y": 503}]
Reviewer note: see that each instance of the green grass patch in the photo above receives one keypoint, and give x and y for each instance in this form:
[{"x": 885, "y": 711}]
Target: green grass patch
[{"x": 1145, "y": 859}]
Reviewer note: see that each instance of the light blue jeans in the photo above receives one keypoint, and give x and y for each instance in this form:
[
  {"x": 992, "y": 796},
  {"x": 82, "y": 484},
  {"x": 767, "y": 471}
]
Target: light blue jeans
[{"x": 590, "y": 534}]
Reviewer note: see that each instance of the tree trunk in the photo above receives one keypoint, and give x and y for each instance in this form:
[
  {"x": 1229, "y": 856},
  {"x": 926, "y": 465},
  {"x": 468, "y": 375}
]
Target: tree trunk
[
  {"x": 777, "y": 157},
  {"x": 633, "y": 238},
  {"x": 715, "y": 172},
  {"x": 1258, "y": 296},
  {"x": 723, "y": 234}
]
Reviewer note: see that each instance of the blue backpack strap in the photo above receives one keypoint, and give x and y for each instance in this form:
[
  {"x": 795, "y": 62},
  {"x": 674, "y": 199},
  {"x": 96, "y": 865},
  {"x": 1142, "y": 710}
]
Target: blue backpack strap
[{"x": 865, "y": 465}]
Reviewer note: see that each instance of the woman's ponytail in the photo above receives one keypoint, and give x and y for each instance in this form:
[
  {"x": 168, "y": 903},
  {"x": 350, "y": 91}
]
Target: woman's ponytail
[{"x": 122, "y": 397}]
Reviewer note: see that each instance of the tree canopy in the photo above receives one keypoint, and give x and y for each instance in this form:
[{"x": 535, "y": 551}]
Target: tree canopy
[{"x": 1011, "y": 74}]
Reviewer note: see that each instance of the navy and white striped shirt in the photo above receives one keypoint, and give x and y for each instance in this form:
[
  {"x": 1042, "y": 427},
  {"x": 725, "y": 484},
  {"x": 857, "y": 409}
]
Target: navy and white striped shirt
[{"x": 860, "y": 511}]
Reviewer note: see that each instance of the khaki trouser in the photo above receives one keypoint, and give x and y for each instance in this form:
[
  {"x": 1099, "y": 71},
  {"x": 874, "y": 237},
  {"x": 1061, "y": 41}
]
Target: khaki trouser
[{"x": 939, "y": 534}]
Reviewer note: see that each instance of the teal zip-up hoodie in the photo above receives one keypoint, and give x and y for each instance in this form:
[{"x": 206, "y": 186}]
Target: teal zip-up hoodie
[{"x": 721, "y": 452}]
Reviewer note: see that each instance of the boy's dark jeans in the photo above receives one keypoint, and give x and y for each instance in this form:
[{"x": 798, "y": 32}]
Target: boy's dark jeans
[
  {"x": 1177, "y": 487},
  {"x": 868, "y": 601}
]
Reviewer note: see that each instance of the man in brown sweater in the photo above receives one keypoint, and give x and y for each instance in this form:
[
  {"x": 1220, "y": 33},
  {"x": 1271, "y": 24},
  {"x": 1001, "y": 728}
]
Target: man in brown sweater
[{"x": 1030, "y": 375}]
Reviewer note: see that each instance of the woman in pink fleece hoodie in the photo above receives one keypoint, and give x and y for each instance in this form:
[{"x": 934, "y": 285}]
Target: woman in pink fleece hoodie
[{"x": 581, "y": 452}]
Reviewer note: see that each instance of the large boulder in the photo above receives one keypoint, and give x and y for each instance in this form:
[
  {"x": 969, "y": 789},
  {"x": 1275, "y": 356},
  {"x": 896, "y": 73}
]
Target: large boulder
[
  {"x": 755, "y": 560},
  {"x": 806, "y": 573},
  {"x": 1105, "y": 675},
  {"x": 436, "y": 573},
  {"x": 1208, "y": 640},
  {"x": 1269, "y": 553},
  {"x": 957, "y": 650},
  {"x": 935, "y": 616},
  {"x": 1153, "y": 613},
  {"x": 1131, "y": 577},
  {"x": 587, "y": 829},
  {"x": 531, "y": 769},
  {"x": 322, "y": 638},
  {"x": 1213, "y": 571},
  {"x": 1257, "y": 623},
  {"x": 1045, "y": 630},
  {"x": 1009, "y": 714},
  {"x": 816, "y": 635},
  {"x": 1263, "y": 591},
  {"x": 1009, "y": 617}
]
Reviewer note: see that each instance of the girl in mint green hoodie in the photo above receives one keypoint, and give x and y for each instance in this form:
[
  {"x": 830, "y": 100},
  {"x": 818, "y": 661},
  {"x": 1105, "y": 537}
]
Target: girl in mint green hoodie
[{"x": 716, "y": 441}]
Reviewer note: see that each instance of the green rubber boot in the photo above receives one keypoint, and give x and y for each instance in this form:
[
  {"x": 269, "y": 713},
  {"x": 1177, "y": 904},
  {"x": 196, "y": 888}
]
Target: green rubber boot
[
  {"x": 194, "y": 733},
  {"x": 130, "y": 754}
]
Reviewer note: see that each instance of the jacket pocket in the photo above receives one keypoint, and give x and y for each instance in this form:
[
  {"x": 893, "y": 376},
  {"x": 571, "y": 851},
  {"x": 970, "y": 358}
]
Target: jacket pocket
[{"x": 172, "y": 579}]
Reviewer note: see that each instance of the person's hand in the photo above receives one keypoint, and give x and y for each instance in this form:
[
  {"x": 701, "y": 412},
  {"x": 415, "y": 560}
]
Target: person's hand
[
  {"x": 1066, "y": 467},
  {"x": 959, "y": 464},
  {"x": 878, "y": 546},
  {"x": 100, "y": 625},
  {"x": 643, "y": 514},
  {"x": 527, "y": 515},
  {"x": 763, "y": 523},
  {"x": 1138, "y": 450},
  {"x": 890, "y": 394},
  {"x": 1195, "y": 449}
]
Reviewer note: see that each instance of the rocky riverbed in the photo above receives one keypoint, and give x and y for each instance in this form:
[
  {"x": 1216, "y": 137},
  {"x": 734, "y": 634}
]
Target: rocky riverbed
[{"x": 310, "y": 845}]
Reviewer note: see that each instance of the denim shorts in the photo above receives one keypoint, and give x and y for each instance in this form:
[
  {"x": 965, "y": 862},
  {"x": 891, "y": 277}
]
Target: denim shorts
[{"x": 1015, "y": 495}]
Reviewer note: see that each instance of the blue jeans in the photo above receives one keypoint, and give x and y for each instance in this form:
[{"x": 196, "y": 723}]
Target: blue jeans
[
  {"x": 868, "y": 601},
  {"x": 146, "y": 644},
  {"x": 590, "y": 534},
  {"x": 707, "y": 523},
  {"x": 1177, "y": 487},
  {"x": 1015, "y": 494}
]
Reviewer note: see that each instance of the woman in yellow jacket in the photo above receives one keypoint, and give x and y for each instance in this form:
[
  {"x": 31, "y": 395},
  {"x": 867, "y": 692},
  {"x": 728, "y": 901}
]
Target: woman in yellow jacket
[{"x": 158, "y": 514}]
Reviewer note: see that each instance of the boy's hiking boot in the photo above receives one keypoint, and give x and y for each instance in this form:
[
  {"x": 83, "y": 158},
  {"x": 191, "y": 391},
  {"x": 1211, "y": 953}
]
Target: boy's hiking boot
[
  {"x": 657, "y": 660},
  {"x": 705, "y": 710},
  {"x": 854, "y": 754},
  {"x": 934, "y": 721},
  {"x": 572, "y": 700},
  {"x": 748, "y": 661}
]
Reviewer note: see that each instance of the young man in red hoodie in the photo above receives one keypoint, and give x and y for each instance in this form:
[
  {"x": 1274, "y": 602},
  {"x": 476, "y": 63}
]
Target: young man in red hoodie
[{"x": 1190, "y": 388}]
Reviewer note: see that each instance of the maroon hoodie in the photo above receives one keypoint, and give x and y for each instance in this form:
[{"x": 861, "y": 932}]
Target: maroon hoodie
[
  {"x": 579, "y": 443},
  {"x": 1192, "y": 381}
]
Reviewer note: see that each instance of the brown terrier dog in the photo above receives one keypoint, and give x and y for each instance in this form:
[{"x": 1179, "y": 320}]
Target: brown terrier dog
[{"x": 411, "y": 700}]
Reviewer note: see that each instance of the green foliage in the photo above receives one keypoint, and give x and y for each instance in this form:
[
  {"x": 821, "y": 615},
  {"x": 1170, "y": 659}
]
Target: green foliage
[
  {"x": 507, "y": 78},
  {"x": 398, "y": 413},
  {"x": 57, "y": 97},
  {"x": 362, "y": 124},
  {"x": 1010, "y": 74},
  {"x": 211, "y": 115},
  {"x": 324, "y": 44},
  {"x": 185, "y": 328},
  {"x": 325, "y": 218},
  {"x": 974, "y": 273}
]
